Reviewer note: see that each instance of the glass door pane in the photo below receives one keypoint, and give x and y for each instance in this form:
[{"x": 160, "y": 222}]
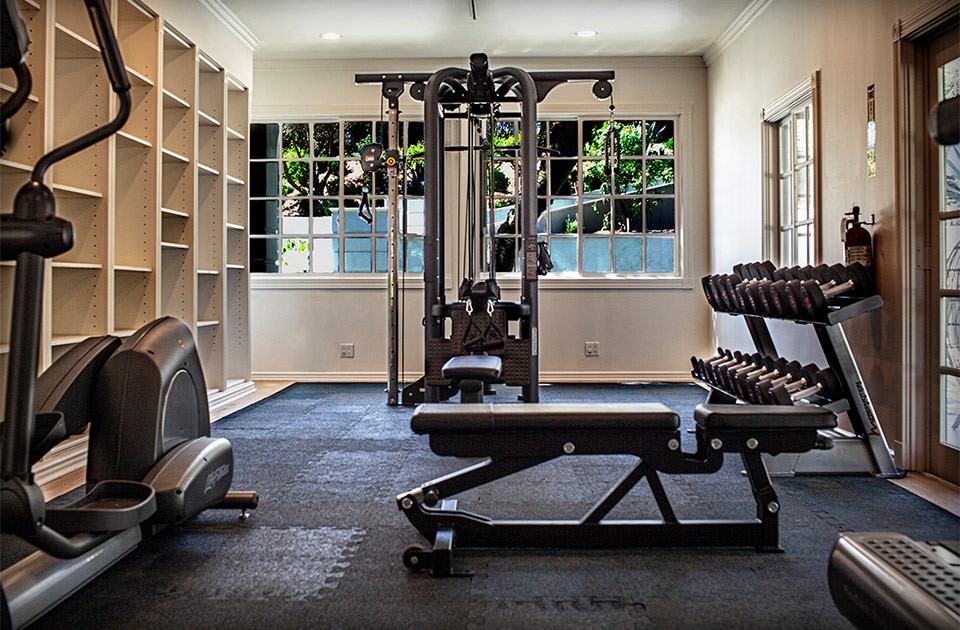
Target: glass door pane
[
  {"x": 950, "y": 406},
  {"x": 950, "y": 254},
  {"x": 950, "y": 332},
  {"x": 948, "y": 173}
]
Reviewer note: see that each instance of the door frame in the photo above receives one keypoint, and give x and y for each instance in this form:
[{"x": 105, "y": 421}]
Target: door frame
[{"x": 916, "y": 252}]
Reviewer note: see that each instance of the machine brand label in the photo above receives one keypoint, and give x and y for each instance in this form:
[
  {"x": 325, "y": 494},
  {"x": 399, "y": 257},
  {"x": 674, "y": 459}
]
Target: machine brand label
[
  {"x": 214, "y": 477},
  {"x": 867, "y": 408}
]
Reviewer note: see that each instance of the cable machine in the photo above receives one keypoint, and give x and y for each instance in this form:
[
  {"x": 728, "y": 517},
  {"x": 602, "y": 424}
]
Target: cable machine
[{"x": 479, "y": 317}]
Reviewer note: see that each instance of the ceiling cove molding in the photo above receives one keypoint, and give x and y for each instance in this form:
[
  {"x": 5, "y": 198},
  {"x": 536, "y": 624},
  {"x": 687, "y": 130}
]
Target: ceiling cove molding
[
  {"x": 232, "y": 22},
  {"x": 430, "y": 64},
  {"x": 743, "y": 21}
]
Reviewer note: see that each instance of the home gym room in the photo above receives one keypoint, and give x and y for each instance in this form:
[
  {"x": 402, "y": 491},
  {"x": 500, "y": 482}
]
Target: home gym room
[{"x": 284, "y": 343}]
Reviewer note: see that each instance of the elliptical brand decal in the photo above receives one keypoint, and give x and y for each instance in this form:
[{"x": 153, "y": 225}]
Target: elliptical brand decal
[{"x": 213, "y": 478}]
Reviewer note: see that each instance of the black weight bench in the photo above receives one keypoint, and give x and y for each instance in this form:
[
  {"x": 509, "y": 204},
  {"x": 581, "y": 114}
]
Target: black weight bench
[
  {"x": 472, "y": 373},
  {"x": 515, "y": 437}
]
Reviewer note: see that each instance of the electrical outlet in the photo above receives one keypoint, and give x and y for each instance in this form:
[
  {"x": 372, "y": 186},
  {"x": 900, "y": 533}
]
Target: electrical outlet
[
  {"x": 591, "y": 348},
  {"x": 346, "y": 350}
]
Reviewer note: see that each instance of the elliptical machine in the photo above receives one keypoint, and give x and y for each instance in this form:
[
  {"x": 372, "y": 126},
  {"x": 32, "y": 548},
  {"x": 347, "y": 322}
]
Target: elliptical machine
[{"x": 151, "y": 460}]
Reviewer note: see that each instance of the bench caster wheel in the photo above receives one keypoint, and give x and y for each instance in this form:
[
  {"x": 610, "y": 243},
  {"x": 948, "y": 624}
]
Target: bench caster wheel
[{"x": 416, "y": 558}]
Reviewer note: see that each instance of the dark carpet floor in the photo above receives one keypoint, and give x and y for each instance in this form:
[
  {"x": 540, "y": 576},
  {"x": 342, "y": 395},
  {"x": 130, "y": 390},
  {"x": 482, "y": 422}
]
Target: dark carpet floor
[{"x": 323, "y": 550}]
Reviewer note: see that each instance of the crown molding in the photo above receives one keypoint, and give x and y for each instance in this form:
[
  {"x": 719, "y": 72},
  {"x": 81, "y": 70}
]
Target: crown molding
[
  {"x": 739, "y": 25},
  {"x": 430, "y": 64},
  {"x": 232, "y": 22}
]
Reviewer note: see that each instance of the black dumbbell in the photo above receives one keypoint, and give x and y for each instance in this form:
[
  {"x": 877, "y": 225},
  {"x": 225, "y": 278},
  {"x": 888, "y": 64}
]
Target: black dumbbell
[
  {"x": 747, "y": 295},
  {"x": 713, "y": 370},
  {"x": 726, "y": 373},
  {"x": 698, "y": 363},
  {"x": 853, "y": 280},
  {"x": 765, "y": 270},
  {"x": 747, "y": 384},
  {"x": 787, "y": 297},
  {"x": 708, "y": 293},
  {"x": 742, "y": 270},
  {"x": 814, "y": 381},
  {"x": 797, "y": 377},
  {"x": 778, "y": 295},
  {"x": 764, "y": 291},
  {"x": 737, "y": 380},
  {"x": 705, "y": 367},
  {"x": 762, "y": 297},
  {"x": 717, "y": 285},
  {"x": 728, "y": 284},
  {"x": 715, "y": 295}
]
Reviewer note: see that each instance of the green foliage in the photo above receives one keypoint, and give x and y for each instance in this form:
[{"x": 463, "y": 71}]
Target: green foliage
[
  {"x": 292, "y": 245},
  {"x": 659, "y": 141},
  {"x": 295, "y": 140}
]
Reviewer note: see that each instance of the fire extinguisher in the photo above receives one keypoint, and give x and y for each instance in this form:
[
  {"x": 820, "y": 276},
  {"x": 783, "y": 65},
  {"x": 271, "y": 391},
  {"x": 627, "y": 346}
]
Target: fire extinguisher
[{"x": 857, "y": 246}]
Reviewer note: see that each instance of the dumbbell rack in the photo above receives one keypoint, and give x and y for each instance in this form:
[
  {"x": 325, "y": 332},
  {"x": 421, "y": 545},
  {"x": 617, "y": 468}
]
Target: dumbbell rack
[{"x": 863, "y": 451}]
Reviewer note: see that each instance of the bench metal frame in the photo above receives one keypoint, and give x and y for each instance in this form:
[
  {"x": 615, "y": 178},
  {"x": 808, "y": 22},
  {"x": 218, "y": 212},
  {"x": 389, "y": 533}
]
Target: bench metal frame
[{"x": 438, "y": 518}]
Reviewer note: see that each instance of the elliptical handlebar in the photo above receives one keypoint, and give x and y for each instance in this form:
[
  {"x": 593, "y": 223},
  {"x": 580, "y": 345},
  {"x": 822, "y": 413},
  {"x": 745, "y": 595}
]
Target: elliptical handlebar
[
  {"x": 14, "y": 41},
  {"x": 112, "y": 59},
  {"x": 29, "y": 235},
  {"x": 109, "y": 49}
]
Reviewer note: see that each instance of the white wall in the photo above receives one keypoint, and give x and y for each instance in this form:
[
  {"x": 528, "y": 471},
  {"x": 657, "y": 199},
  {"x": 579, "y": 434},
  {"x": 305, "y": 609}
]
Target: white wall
[
  {"x": 644, "y": 333},
  {"x": 850, "y": 43}
]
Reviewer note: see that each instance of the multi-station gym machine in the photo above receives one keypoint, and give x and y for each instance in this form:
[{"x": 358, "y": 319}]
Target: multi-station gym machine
[{"x": 479, "y": 319}]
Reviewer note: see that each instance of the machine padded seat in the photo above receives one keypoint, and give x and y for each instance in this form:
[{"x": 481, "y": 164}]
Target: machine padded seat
[
  {"x": 488, "y": 418},
  {"x": 481, "y": 367},
  {"x": 713, "y": 417}
]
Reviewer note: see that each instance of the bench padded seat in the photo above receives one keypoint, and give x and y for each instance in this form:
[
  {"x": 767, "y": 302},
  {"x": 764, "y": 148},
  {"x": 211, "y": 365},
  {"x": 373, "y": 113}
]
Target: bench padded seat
[
  {"x": 714, "y": 417},
  {"x": 435, "y": 418},
  {"x": 481, "y": 367}
]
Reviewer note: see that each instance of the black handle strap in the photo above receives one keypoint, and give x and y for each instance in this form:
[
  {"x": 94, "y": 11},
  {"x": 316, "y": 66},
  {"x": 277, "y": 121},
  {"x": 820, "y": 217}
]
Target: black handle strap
[{"x": 364, "y": 210}]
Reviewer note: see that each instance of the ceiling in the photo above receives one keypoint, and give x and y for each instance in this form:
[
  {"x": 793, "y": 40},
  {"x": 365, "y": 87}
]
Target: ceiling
[{"x": 290, "y": 29}]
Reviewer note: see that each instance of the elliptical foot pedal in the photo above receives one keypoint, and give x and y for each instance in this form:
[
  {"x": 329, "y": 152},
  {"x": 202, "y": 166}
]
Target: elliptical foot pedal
[{"x": 112, "y": 506}]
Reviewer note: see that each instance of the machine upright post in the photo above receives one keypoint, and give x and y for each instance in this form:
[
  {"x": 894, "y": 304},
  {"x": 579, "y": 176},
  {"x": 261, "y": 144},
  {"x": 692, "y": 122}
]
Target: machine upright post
[
  {"x": 528, "y": 222},
  {"x": 23, "y": 363},
  {"x": 393, "y": 257},
  {"x": 433, "y": 150}
]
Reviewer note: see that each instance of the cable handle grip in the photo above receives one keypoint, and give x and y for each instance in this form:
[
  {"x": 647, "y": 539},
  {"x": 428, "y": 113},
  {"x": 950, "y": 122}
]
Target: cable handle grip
[{"x": 110, "y": 50}]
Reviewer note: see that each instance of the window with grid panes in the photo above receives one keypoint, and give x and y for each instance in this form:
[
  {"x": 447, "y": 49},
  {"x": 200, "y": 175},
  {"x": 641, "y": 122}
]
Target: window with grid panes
[
  {"x": 595, "y": 221},
  {"x": 306, "y": 188},
  {"x": 796, "y": 207}
]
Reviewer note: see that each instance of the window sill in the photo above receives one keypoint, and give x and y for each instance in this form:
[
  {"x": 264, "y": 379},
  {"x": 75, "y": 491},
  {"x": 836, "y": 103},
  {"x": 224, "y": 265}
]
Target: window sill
[
  {"x": 365, "y": 281},
  {"x": 511, "y": 281}
]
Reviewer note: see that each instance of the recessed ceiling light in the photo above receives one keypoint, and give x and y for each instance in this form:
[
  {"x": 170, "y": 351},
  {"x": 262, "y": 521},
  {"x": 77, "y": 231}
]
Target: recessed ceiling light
[
  {"x": 586, "y": 33},
  {"x": 331, "y": 36}
]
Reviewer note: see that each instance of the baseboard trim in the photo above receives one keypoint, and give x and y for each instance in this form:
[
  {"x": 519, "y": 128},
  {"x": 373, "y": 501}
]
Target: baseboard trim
[
  {"x": 65, "y": 458},
  {"x": 234, "y": 391},
  {"x": 615, "y": 377},
  {"x": 545, "y": 377}
]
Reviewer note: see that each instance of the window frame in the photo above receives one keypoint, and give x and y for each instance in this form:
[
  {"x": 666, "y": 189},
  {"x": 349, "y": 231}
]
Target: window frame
[
  {"x": 681, "y": 116},
  {"x": 680, "y": 113},
  {"x": 346, "y": 202},
  {"x": 806, "y": 93}
]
